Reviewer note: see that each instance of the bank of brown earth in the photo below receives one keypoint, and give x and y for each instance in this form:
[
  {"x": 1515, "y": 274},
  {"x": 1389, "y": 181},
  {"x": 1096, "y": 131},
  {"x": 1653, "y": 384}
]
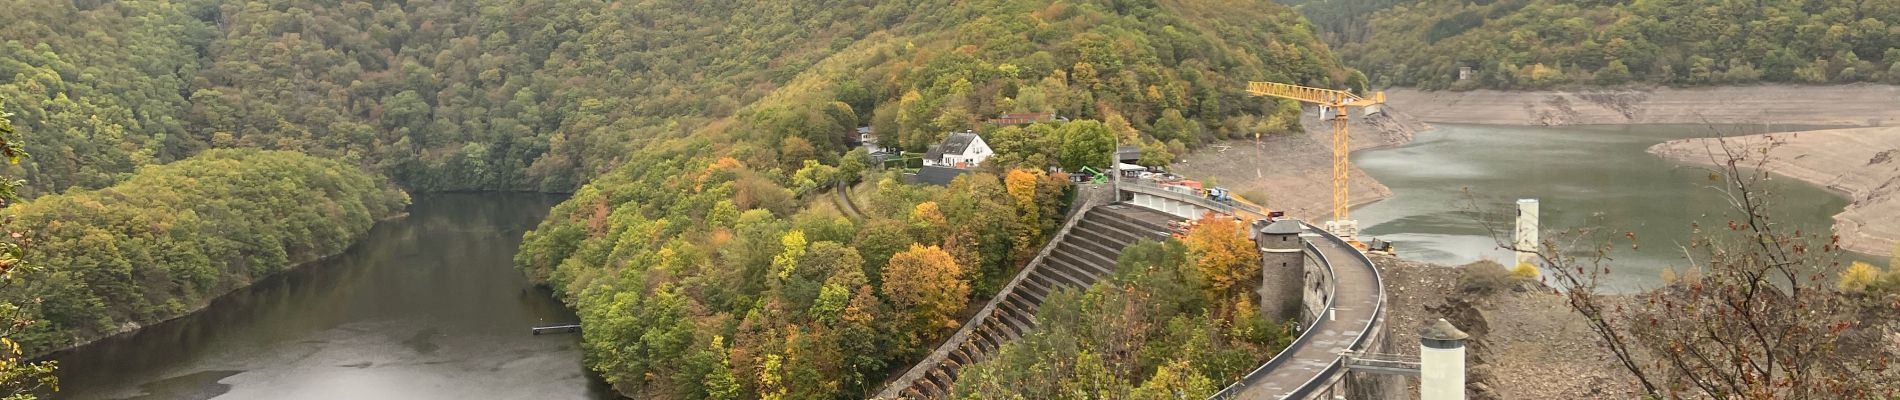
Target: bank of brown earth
[
  {"x": 1293, "y": 172},
  {"x": 1860, "y": 163},
  {"x": 1836, "y": 105},
  {"x": 1525, "y": 343}
]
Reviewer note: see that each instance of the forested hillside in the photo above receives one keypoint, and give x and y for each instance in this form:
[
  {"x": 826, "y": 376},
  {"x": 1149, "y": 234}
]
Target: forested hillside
[
  {"x": 1342, "y": 21},
  {"x": 545, "y": 94},
  {"x": 1534, "y": 44},
  {"x": 703, "y": 270},
  {"x": 173, "y": 237},
  {"x": 441, "y": 95}
]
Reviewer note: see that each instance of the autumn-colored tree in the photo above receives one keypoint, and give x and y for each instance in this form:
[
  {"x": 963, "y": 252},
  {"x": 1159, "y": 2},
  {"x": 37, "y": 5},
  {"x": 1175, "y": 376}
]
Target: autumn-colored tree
[
  {"x": 795, "y": 150},
  {"x": 1021, "y": 185},
  {"x": 927, "y": 222},
  {"x": 786, "y": 261},
  {"x": 772, "y": 378},
  {"x": 1220, "y": 249},
  {"x": 1146, "y": 332},
  {"x": 926, "y": 284},
  {"x": 1858, "y": 276},
  {"x": 1172, "y": 380}
]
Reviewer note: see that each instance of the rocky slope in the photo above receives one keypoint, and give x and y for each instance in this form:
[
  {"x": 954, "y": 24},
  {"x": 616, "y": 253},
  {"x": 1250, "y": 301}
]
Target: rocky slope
[{"x": 1525, "y": 343}]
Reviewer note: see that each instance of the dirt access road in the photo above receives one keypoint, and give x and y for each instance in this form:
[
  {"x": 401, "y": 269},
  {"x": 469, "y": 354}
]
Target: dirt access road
[{"x": 1294, "y": 172}]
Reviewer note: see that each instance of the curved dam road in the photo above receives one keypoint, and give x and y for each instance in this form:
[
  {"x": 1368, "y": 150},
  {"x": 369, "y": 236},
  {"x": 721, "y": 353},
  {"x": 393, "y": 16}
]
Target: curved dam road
[{"x": 1301, "y": 369}]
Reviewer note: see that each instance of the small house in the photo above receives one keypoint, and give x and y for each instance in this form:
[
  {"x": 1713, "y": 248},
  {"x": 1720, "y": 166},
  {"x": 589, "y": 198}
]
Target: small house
[
  {"x": 959, "y": 150},
  {"x": 864, "y": 137}
]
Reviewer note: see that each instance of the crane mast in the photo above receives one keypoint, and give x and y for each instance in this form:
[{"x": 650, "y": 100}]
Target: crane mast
[{"x": 1338, "y": 102}]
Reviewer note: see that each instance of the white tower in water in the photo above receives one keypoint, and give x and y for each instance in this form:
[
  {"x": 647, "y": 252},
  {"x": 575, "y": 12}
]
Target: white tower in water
[{"x": 1526, "y": 238}]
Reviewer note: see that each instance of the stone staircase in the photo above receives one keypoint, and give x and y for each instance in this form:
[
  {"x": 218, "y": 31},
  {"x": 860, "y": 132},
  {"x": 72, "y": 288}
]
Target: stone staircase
[{"x": 1081, "y": 257}]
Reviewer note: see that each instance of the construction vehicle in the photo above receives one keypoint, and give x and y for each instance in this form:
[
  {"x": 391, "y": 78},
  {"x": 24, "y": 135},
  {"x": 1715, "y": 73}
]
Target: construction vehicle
[
  {"x": 1335, "y": 106},
  {"x": 1093, "y": 176},
  {"x": 1220, "y": 195}
]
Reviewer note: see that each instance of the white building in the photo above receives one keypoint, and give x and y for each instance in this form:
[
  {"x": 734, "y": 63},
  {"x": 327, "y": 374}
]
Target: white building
[
  {"x": 959, "y": 150},
  {"x": 869, "y": 141}
]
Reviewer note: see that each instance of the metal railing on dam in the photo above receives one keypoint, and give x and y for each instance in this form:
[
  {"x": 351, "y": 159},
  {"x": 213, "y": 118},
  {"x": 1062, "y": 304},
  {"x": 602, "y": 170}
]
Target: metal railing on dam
[
  {"x": 1352, "y": 320},
  {"x": 1173, "y": 192}
]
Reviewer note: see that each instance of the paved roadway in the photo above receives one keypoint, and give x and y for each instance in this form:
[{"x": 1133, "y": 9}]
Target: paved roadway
[{"x": 1355, "y": 303}]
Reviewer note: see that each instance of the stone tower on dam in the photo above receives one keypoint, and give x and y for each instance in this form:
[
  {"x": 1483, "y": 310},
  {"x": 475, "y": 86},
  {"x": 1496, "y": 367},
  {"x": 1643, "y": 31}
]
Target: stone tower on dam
[{"x": 1283, "y": 269}]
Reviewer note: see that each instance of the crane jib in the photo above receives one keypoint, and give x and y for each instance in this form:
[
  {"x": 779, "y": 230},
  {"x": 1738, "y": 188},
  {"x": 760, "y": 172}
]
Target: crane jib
[{"x": 1334, "y": 102}]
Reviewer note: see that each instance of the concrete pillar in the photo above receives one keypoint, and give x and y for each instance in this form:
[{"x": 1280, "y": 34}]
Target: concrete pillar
[
  {"x": 1282, "y": 269},
  {"x": 1526, "y": 238},
  {"x": 1441, "y": 362}
]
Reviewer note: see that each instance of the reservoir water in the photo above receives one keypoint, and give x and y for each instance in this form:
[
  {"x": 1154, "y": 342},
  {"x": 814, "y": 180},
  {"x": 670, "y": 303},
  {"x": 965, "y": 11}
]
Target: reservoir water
[
  {"x": 425, "y": 307},
  {"x": 1583, "y": 176}
]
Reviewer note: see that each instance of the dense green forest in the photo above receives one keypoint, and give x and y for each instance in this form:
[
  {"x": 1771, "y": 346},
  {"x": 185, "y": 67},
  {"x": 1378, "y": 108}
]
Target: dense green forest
[
  {"x": 1342, "y": 21},
  {"x": 1536, "y": 44},
  {"x": 1164, "y": 326},
  {"x": 172, "y": 237},
  {"x": 703, "y": 269},
  {"x": 546, "y": 94}
]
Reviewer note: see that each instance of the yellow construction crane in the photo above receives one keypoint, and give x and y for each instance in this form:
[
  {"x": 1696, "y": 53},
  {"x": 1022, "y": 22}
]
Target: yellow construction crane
[{"x": 1336, "y": 102}]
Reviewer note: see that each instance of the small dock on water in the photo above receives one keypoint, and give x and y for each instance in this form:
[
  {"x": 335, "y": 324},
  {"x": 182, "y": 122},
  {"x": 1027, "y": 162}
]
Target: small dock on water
[{"x": 552, "y": 329}]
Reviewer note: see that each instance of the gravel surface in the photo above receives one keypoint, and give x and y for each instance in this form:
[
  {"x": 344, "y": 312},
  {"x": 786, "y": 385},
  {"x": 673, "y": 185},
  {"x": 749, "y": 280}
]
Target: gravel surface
[
  {"x": 1294, "y": 172},
  {"x": 1525, "y": 344}
]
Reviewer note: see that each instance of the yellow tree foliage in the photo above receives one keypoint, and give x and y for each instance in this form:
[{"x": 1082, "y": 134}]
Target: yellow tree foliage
[
  {"x": 927, "y": 222},
  {"x": 1122, "y": 129},
  {"x": 927, "y": 284},
  {"x": 1858, "y": 276},
  {"x": 1524, "y": 271},
  {"x": 1021, "y": 185},
  {"x": 786, "y": 261},
  {"x": 772, "y": 379},
  {"x": 1172, "y": 380},
  {"x": 1219, "y": 248}
]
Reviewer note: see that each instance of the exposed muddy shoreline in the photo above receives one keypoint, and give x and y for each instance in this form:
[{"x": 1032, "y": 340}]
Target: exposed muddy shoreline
[
  {"x": 1836, "y": 105},
  {"x": 1862, "y": 164}
]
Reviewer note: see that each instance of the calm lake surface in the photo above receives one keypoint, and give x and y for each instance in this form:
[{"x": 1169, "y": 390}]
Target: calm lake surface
[
  {"x": 426, "y": 307},
  {"x": 1583, "y": 176}
]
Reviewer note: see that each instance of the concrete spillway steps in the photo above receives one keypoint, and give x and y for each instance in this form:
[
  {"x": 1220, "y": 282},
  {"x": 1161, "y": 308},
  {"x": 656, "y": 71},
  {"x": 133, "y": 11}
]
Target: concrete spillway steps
[{"x": 1083, "y": 256}]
